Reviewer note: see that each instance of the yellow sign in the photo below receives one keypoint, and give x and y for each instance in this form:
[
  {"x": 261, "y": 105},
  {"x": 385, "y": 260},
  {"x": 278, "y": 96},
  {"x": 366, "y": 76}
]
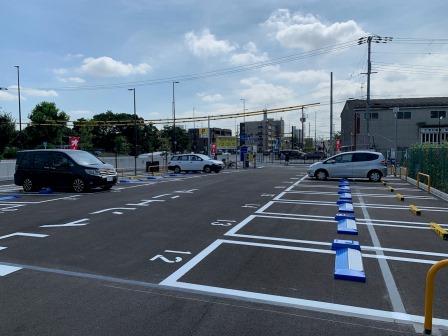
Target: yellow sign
[
  {"x": 203, "y": 132},
  {"x": 223, "y": 142}
]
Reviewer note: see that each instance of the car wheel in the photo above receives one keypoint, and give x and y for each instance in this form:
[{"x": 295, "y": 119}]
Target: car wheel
[
  {"x": 177, "y": 169},
  {"x": 321, "y": 175},
  {"x": 207, "y": 169},
  {"x": 375, "y": 176},
  {"x": 28, "y": 185},
  {"x": 78, "y": 185}
]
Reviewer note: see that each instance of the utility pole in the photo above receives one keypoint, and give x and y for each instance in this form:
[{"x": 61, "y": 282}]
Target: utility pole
[
  {"x": 174, "y": 120},
  {"x": 292, "y": 137},
  {"x": 315, "y": 132},
  {"x": 369, "y": 40},
  {"x": 331, "y": 114},
  {"x": 302, "y": 120},
  {"x": 244, "y": 120},
  {"x": 135, "y": 134},
  {"x": 18, "y": 91},
  {"x": 208, "y": 139}
]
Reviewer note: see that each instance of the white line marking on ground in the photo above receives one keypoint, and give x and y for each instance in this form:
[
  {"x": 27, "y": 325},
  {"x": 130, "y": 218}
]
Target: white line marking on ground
[
  {"x": 145, "y": 202},
  {"x": 174, "y": 197},
  {"x": 181, "y": 252},
  {"x": 338, "y": 309},
  {"x": 162, "y": 195},
  {"x": 5, "y": 269},
  {"x": 24, "y": 234},
  {"x": 80, "y": 222},
  {"x": 110, "y": 209},
  {"x": 392, "y": 289}
]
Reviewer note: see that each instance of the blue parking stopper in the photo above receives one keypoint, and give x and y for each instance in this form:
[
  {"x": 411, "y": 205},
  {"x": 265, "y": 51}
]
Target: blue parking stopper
[
  {"x": 343, "y": 200},
  {"x": 344, "y": 190},
  {"x": 348, "y": 265},
  {"x": 45, "y": 191},
  {"x": 345, "y": 196},
  {"x": 347, "y": 226},
  {"x": 345, "y": 243},
  {"x": 346, "y": 207},
  {"x": 125, "y": 181},
  {"x": 344, "y": 215},
  {"x": 344, "y": 183},
  {"x": 8, "y": 197}
]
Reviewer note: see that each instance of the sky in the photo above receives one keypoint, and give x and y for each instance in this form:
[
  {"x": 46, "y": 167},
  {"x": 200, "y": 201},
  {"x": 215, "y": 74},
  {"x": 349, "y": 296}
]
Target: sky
[{"x": 84, "y": 55}]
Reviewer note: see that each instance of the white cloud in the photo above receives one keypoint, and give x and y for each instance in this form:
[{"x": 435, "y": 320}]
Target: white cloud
[
  {"x": 30, "y": 92},
  {"x": 251, "y": 55},
  {"x": 60, "y": 71},
  {"x": 71, "y": 79},
  {"x": 77, "y": 55},
  {"x": 296, "y": 30},
  {"x": 210, "y": 98},
  {"x": 6, "y": 96},
  {"x": 262, "y": 92},
  {"x": 108, "y": 67},
  {"x": 205, "y": 44},
  {"x": 303, "y": 76}
]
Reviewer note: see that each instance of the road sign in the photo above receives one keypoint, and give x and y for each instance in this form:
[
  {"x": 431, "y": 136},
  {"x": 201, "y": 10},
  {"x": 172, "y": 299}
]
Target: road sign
[{"x": 73, "y": 142}]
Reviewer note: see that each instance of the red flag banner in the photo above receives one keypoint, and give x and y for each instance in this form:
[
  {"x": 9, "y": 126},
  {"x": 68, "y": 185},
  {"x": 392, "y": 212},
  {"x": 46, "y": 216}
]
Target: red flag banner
[{"x": 73, "y": 142}]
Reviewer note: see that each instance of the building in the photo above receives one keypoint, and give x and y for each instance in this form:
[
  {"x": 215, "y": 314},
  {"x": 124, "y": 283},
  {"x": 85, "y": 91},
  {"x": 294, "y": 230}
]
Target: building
[
  {"x": 394, "y": 123},
  {"x": 199, "y": 137},
  {"x": 266, "y": 134}
]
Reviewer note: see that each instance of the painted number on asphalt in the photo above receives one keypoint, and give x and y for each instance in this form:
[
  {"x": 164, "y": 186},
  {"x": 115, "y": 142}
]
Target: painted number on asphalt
[
  {"x": 170, "y": 260},
  {"x": 223, "y": 222}
]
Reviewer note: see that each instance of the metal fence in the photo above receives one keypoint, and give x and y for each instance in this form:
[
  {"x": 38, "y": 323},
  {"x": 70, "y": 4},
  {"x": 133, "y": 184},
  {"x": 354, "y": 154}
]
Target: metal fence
[{"x": 431, "y": 160}]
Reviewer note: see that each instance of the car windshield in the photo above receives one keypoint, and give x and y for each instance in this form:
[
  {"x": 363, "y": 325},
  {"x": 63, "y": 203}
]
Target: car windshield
[{"x": 84, "y": 158}]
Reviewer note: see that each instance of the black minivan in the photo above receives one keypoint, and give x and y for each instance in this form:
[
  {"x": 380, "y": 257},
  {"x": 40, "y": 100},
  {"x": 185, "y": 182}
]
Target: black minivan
[{"x": 62, "y": 168}]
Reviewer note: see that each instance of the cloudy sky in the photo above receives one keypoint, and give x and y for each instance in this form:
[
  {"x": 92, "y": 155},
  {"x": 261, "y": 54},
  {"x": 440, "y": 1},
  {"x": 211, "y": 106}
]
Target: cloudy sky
[{"x": 83, "y": 55}]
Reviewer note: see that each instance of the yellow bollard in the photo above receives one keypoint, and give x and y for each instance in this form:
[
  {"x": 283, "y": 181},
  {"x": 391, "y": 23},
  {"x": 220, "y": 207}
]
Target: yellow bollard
[
  {"x": 399, "y": 196},
  {"x": 390, "y": 189},
  {"x": 416, "y": 211},
  {"x": 429, "y": 293},
  {"x": 440, "y": 231}
]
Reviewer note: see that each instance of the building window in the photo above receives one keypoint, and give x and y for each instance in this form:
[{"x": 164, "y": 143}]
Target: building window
[
  {"x": 374, "y": 115},
  {"x": 438, "y": 114},
  {"x": 404, "y": 115}
]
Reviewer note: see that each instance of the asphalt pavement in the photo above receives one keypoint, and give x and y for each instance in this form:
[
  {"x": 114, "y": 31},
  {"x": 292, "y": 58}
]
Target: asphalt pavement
[{"x": 241, "y": 252}]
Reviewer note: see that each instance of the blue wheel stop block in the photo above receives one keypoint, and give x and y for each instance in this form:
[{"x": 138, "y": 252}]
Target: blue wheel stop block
[
  {"x": 346, "y": 207},
  {"x": 343, "y": 201},
  {"x": 345, "y": 243},
  {"x": 344, "y": 215},
  {"x": 344, "y": 190},
  {"x": 46, "y": 191},
  {"x": 346, "y": 195},
  {"x": 347, "y": 226},
  {"x": 348, "y": 265},
  {"x": 8, "y": 197}
]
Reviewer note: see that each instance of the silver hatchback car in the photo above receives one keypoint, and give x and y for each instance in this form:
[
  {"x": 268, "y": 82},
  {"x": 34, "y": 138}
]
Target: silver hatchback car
[{"x": 357, "y": 164}]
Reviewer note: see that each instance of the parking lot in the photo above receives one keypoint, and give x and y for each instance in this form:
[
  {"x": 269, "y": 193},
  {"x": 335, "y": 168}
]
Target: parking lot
[{"x": 242, "y": 252}]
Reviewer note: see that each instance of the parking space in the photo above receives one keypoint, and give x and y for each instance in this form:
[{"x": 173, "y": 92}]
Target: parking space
[{"x": 231, "y": 237}]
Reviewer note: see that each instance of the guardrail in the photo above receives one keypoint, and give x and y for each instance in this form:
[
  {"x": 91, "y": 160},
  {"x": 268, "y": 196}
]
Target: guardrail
[
  {"x": 428, "y": 178},
  {"x": 429, "y": 293}
]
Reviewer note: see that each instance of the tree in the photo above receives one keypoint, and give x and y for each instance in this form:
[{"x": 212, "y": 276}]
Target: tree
[
  {"x": 83, "y": 128},
  {"x": 150, "y": 138},
  {"x": 182, "y": 138},
  {"x": 108, "y": 125},
  {"x": 48, "y": 124},
  {"x": 7, "y": 131}
]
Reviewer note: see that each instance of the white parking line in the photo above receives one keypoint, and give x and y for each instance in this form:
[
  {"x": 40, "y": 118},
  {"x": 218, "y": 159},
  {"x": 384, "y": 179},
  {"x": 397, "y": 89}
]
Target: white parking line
[
  {"x": 320, "y": 306},
  {"x": 6, "y": 269}
]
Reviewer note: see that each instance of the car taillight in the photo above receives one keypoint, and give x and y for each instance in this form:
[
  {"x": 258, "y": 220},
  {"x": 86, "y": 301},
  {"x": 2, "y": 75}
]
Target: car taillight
[{"x": 384, "y": 162}]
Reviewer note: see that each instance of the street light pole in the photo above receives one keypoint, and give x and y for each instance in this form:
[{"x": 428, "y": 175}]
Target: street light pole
[
  {"x": 135, "y": 134},
  {"x": 18, "y": 91},
  {"x": 174, "y": 120},
  {"x": 440, "y": 133},
  {"x": 244, "y": 119}
]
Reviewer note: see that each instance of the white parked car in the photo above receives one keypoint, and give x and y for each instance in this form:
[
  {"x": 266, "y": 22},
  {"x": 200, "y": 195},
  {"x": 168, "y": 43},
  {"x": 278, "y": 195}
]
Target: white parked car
[
  {"x": 194, "y": 162},
  {"x": 358, "y": 164}
]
